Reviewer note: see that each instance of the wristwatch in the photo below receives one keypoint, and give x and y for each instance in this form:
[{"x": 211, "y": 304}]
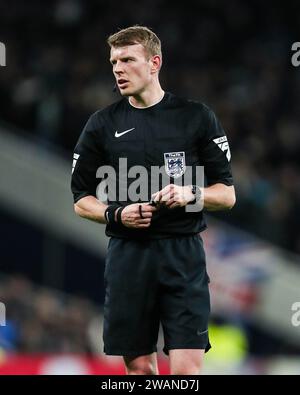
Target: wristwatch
[{"x": 196, "y": 191}]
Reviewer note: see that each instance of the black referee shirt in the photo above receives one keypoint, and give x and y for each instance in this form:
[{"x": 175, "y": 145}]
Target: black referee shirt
[{"x": 174, "y": 133}]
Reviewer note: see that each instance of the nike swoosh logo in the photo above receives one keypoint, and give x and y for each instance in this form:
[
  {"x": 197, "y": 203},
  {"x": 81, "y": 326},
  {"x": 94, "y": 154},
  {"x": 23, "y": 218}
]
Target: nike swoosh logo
[{"x": 125, "y": 131}]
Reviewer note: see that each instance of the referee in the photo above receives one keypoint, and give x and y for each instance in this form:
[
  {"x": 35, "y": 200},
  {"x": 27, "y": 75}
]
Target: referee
[{"x": 155, "y": 267}]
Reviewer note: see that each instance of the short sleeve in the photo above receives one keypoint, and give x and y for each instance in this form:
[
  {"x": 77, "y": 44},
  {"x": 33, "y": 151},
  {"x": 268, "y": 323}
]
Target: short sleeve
[
  {"x": 87, "y": 157},
  {"x": 215, "y": 152}
]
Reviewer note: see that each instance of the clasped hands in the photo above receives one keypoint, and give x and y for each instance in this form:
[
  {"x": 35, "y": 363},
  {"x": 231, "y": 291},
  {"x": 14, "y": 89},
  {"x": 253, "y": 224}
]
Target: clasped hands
[{"x": 139, "y": 215}]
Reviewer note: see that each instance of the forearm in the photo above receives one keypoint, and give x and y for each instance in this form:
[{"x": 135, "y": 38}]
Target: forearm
[
  {"x": 219, "y": 197},
  {"x": 91, "y": 208}
]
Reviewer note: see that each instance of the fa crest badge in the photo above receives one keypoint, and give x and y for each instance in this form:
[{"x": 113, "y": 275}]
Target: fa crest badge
[{"x": 175, "y": 163}]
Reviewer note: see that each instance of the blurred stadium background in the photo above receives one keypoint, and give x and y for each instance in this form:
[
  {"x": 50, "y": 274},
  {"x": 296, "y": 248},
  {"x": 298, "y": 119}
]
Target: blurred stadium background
[{"x": 234, "y": 56}]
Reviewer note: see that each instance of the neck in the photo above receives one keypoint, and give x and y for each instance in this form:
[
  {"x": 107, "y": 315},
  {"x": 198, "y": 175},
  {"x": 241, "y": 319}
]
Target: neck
[{"x": 148, "y": 97}]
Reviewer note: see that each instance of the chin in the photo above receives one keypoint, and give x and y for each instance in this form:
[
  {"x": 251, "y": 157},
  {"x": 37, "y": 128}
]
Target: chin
[
  {"x": 125, "y": 93},
  {"x": 128, "y": 92}
]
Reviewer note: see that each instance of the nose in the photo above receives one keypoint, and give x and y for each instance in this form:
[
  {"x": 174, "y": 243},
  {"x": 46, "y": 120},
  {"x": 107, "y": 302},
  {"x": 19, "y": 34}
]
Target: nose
[{"x": 118, "y": 68}]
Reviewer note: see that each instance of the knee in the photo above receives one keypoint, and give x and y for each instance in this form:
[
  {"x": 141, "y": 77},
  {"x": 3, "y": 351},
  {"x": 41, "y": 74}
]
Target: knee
[
  {"x": 186, "y": 369},
  {"x": 142, "y": 369},
  {"x": 186, "y": 361}
]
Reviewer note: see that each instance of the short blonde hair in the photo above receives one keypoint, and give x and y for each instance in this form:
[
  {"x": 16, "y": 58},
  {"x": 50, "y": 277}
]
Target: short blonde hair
[{"x": 136, "y": 35}]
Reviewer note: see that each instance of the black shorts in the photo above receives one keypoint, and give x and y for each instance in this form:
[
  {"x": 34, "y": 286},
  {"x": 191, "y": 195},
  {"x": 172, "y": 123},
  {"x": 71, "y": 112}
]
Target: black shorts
[{"x": 153, "y": 281}]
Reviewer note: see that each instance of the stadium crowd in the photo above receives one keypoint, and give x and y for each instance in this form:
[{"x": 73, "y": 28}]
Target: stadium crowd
[
  {"x": 235, "y": 57},
  {"x": 39, "y": 319}
]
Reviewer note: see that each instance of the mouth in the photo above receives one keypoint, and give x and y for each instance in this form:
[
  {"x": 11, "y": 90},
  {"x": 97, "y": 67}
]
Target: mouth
[{"x": 122, "y": 82}]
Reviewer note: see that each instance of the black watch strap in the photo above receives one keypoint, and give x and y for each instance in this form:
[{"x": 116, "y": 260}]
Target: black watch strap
[{"x": 196, "y": 191}]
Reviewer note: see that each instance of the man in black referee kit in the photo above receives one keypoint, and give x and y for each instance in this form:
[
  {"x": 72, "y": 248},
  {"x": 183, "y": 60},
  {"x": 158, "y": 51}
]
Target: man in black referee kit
[{"x": 155, "y": 268}]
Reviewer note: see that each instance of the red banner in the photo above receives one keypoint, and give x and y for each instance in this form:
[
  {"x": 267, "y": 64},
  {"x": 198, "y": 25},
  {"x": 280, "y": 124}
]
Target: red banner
[{"x": 65, "y": 365}]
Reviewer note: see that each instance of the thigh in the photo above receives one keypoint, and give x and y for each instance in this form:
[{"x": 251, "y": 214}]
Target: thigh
[
  {"x": 185, "y": 301},
  {"x": 131, "y": 316}
]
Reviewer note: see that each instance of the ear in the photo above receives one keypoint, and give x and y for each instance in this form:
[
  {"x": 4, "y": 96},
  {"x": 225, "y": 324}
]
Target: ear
[{"x": 155, "y": 63}]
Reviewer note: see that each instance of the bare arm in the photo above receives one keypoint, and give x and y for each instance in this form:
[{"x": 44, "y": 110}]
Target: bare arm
[
  {"x": 219, "y": 197},
  {"x": 91, "y": 208}
]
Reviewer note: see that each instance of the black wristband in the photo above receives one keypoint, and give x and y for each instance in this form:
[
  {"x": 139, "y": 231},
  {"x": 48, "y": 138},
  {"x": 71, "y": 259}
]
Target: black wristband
[
  {"x": 119, "y": 215},
  {"x": 109, "y": 213},
  {"x": 106, "y": 215}
]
